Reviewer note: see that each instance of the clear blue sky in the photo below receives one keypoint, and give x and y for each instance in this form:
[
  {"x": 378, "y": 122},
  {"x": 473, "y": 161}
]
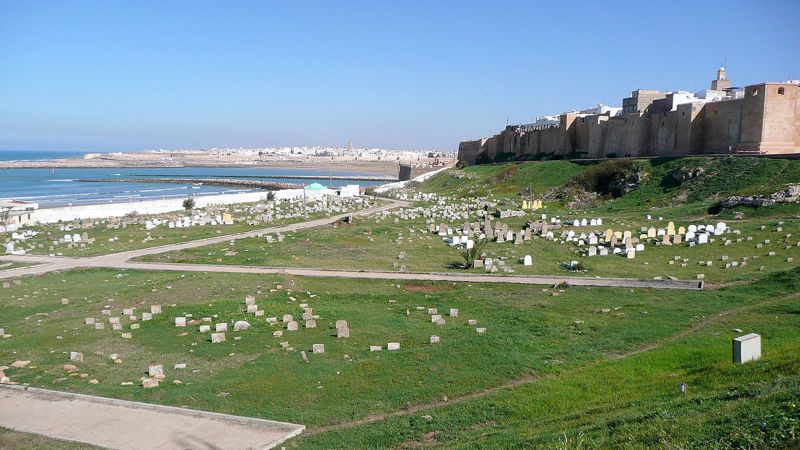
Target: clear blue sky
[{"x": 124, "y": 75}]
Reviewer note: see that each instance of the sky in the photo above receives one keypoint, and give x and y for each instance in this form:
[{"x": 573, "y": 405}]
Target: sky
[{"x": 118, "y": 75}]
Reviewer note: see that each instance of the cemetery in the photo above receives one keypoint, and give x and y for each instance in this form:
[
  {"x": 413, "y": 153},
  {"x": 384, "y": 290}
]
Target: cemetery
[
  {"x": 91, "y": 237},
  {"x": 437, "y": 363},
  {"x": 432, "y": 238}
]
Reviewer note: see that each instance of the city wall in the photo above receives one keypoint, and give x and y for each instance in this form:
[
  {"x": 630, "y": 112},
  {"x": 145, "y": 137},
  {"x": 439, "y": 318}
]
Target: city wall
[{"x": 765, "y": 120}]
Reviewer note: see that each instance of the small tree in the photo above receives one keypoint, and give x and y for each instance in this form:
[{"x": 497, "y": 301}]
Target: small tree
[
  {"x": 270, "y": 196},
  {"x": 471, "y": 254},
  {"x": 188, "y": 204}
]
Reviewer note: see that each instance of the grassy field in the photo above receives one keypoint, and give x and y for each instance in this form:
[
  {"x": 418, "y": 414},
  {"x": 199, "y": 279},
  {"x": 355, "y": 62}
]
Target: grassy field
[
  {"x": 367, "y": 245},
  {"x": 632, "y": 402},
  {"x": 531, "y": 333}
]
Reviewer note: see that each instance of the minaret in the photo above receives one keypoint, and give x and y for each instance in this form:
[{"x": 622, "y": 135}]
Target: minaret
[{"x": 721, "y": 83}]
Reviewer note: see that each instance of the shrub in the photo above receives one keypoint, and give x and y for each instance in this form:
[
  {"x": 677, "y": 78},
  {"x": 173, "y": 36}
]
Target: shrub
[
  {"x": 615, "y": 178},
  {"x": 188, "y": 204}
]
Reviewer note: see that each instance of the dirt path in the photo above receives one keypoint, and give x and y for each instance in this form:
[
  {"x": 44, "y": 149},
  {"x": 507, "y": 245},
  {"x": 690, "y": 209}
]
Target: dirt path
[
  {"x": 130, "y": 425},
  {"x": 528, "y": 379}
]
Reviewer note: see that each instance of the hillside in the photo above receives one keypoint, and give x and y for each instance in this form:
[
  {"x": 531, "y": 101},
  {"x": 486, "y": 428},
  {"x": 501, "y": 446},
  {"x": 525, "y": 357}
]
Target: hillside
[{"x": 690, "y": 185}]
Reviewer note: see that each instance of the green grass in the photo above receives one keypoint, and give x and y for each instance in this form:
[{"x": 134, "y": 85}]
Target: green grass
[
  {"x": 722, "y": 177},
  {"x": 631, "y": 402},
  {"x": 10, "y": 439},
  {"x": 530, "y": 332},
  {"x": 12, "y": 265},
  {"x": 502, "y": 180}
]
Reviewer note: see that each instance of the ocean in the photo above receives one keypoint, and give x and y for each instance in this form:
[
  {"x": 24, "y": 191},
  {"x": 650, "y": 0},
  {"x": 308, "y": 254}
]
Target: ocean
[{"x": 60, "y": 187}]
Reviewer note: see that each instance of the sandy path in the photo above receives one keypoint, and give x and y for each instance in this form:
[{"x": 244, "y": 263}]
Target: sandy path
[{"x": 130, "y": 425}]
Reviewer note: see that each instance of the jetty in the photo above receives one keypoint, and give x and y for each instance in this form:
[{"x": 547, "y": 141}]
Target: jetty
[
  {"x": 385, "y": 178},
  {"x": 248, "y": 184}
]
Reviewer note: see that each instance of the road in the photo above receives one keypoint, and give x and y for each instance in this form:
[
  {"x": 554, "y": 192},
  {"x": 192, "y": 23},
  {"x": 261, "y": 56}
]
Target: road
[{"x": 45, "y": 264}]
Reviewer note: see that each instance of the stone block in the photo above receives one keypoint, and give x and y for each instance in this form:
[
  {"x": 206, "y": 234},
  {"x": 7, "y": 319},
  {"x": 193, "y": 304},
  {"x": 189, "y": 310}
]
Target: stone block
[{"x": 746, "y": 348}]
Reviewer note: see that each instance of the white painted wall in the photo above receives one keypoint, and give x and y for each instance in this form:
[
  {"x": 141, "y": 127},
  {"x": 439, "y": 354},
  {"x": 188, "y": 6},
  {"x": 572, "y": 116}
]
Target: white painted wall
[
  {"x": 156, "y": 206},
  {"x": 52, "y": 215}
]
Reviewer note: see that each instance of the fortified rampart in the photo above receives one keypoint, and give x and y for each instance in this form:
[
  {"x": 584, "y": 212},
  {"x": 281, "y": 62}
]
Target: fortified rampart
[{"x": 759, "y": 119}]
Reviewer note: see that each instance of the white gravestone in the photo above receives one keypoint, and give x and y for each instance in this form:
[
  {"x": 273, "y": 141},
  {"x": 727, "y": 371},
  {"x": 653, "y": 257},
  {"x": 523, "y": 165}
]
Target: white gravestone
[{"x": 746, "y": 348}]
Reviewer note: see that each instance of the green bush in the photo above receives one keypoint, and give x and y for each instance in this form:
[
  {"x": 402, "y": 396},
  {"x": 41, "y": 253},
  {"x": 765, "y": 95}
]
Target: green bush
[{"x": 188, "y": 204}]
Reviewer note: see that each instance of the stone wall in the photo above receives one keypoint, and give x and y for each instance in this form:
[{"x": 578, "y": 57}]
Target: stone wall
[{"x": 765, "y": 121}]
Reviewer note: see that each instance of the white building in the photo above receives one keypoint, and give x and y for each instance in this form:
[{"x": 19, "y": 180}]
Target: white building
[{"x": 16, "y": 213}]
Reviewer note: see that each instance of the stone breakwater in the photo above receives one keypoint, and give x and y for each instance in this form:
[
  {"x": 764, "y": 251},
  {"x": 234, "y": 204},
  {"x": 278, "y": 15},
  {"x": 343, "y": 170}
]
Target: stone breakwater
[
  {"x": 247, "y": 184},
  {"x": 788, "y": 195}
]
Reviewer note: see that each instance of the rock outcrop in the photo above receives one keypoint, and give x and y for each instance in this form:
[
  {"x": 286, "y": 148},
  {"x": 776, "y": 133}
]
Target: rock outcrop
[{"x": 789, "y": 195}]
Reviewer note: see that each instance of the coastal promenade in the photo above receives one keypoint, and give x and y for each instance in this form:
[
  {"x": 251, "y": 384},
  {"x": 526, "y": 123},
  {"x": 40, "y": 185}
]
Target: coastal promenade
[{"x": 45, "y": 264}]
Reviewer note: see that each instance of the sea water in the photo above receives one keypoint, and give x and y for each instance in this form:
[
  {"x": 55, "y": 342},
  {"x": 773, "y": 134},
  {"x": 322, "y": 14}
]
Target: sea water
[{"x": 58, "y": 187}]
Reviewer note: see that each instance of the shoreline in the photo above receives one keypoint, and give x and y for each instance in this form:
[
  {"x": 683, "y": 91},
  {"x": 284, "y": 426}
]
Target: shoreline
[{"x": 376, "y": 167}]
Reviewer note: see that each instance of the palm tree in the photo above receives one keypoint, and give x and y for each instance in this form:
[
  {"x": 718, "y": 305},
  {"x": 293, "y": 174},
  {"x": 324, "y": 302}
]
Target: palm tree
[{"x": 471, "y": 254}]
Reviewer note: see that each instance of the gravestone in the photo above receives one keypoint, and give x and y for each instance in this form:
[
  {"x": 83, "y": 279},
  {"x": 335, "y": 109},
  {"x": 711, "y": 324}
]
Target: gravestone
[
  {"x": 217, "y": 338},
  {"x": 746, "y": 348},
  {"x": 156, "y": 371}
]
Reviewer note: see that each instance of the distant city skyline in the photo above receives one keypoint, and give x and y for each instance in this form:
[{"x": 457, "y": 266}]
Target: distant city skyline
[{"x": 98, "y": 76}]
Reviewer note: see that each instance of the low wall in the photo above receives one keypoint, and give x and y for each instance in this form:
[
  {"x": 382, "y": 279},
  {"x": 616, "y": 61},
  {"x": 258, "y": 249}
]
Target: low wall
[{"x": 401, "y": 184}]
